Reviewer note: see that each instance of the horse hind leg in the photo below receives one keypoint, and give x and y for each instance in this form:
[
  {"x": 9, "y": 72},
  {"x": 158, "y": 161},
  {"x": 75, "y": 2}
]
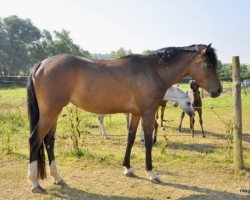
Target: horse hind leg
[
  {"x": 49, "y": 141},
  {"x": 37, "y": 159},
  {"x": 101, "y": 126}
]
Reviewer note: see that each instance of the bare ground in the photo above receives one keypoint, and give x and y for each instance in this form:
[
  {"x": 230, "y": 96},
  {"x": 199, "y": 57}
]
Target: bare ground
[{"x": 88, "y": 179}]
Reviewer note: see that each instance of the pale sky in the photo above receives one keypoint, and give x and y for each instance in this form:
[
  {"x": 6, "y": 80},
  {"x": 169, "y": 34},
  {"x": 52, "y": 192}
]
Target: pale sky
[{"x": 101, "y": 26}]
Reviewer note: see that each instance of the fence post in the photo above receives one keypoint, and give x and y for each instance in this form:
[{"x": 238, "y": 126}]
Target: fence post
[{"x": 237, "y": 115}]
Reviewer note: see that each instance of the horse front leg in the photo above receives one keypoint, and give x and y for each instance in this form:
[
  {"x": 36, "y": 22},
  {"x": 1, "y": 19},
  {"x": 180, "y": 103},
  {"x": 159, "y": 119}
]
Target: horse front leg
[
  {"x": 201, "y": 122},
  {"x": 182, "y": 116},
  {"x": 130, "y": 141},
  {"x": 192, "y": 121},
  {"x": 162, "y": 115},
  {"x": 101, "y": 126},
  {"x": 148, "y": 126}
]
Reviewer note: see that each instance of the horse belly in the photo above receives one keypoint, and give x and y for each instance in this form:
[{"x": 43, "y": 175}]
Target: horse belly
[{"x": 105, "y": 103}]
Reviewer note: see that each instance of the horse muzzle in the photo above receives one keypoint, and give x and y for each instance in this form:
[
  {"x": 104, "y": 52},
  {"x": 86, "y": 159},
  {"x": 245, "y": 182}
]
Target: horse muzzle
[{"x": 215, "y": 93}]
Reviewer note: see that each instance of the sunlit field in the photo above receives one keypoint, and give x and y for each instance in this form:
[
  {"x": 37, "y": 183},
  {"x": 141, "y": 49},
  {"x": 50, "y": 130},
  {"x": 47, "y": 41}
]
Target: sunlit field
[{"x": 190, "y": 168}]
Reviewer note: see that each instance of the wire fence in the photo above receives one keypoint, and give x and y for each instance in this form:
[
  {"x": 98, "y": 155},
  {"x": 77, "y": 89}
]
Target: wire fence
[{"x": 17, "y": 102}]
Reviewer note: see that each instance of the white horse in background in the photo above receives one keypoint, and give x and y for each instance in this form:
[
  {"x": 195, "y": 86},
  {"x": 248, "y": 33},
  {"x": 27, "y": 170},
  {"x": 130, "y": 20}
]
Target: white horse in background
[{"x": 173, "y": 94}]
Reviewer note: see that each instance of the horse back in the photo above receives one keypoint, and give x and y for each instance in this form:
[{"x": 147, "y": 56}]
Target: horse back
[{"x": 96, "y": 86}]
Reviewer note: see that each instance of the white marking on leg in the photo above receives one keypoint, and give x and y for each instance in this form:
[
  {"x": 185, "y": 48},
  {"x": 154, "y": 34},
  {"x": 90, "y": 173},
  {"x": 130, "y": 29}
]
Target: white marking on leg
[
  {"x": 32, "y": 174},
  {"x": 152, "y": 175},
  {"x": 54, "y": 173},
  {"x": 127, "y": 170}
]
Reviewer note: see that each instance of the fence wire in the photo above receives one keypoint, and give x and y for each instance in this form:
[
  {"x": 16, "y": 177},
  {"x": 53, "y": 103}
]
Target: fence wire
[{"x": 20, "y": 101}]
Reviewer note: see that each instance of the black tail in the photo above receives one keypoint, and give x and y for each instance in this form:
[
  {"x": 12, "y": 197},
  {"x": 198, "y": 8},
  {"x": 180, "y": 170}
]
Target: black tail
[{"x": 33, "y": 113}]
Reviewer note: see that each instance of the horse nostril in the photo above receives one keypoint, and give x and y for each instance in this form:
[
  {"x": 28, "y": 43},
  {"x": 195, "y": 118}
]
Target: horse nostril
[{"x": 220, "y": 90}]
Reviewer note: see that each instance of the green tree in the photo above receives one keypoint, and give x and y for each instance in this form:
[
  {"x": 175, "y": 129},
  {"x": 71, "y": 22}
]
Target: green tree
[
  {"x": 120, "y": 53},
  {"x": 147, "y": 52},
  {"x": 17, "y": 36},
  {"x": 58, "y": 43}
]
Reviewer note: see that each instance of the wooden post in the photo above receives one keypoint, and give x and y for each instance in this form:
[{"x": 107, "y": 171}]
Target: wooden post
[{"x": 237, "y": 115}]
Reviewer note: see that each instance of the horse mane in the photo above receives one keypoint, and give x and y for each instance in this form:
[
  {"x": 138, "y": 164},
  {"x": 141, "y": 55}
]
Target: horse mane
[{"x": 167, "y": 54}]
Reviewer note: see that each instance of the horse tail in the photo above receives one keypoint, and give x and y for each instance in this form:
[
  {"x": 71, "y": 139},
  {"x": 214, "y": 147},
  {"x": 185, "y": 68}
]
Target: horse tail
[{"x": 33, "y": 113}]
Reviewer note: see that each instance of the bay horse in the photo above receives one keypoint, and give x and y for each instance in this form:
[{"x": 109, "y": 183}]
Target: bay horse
[
  {"x": 132, "y": 84},
  {"x": 195, "y": 97}
]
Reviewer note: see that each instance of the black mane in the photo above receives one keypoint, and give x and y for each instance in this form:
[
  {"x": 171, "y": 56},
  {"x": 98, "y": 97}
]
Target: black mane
[{"x": 165, "y": 55}]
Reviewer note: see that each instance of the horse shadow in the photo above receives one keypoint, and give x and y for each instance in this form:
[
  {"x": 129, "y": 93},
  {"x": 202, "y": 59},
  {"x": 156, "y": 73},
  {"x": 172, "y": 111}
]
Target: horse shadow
[
  {"x": 206, "y": 193},
  {"x": 70, "y": 193}
]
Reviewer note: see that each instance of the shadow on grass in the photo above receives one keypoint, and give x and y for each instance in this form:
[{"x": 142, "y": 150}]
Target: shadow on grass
[
  {"x": 197, "y": 133},
  {"x": 67, "y": 192},
  {"x": 201, "y": 148},
  {"x": 206, "y": 193}
]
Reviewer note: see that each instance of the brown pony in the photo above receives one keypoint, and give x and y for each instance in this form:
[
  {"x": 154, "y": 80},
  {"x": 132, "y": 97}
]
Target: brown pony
[
  {"x": 132, "y": 84},
  {"x": 195, "y": 96}
]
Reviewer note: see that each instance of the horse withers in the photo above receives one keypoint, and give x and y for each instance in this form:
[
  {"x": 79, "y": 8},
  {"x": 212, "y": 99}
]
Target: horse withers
[{"x": 132, "y": 84}]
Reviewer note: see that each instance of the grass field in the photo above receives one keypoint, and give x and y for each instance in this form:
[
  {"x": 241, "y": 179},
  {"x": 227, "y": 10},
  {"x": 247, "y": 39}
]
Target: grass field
[{"x": 190, "y": 168}]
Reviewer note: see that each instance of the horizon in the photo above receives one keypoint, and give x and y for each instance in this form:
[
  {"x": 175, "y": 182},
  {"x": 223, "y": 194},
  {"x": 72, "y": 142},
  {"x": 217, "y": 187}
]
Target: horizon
[{"x": 102, "y": 27}]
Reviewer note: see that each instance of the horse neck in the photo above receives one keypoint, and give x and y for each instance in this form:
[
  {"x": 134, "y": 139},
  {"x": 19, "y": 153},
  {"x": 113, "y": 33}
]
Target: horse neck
[
  {"x": 172, "y": 94},
  {"x": 175, "y": 70}
]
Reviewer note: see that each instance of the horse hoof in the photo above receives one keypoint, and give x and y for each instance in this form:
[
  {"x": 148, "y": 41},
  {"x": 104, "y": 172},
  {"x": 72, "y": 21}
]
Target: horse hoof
[
  {"x": 38, "y": 189},
  {"x": 155, "y": 144},
  {"x": 156, "y": 181},
  {"x": 106, "y": 138},
  {"x": 60, "y": 182},
  {"x": 130, "y": 174},
  {"x": 163, "y": 128},
  {"x": 204, "y": 136}
]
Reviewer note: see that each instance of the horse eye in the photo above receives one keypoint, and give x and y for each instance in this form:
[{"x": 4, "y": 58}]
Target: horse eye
[{"x": 188, "y": 103}]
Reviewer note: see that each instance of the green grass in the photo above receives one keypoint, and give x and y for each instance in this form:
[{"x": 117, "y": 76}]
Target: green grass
[{"x": 190, "y": 167}]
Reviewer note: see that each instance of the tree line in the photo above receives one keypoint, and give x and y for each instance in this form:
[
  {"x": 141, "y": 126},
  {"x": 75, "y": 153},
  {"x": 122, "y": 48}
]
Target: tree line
[{"x": 22, "y": 45}]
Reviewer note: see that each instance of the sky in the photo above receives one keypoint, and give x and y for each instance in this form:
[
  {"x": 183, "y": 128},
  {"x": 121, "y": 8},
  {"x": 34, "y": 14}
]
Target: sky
[{"x": 101, "y": 26}]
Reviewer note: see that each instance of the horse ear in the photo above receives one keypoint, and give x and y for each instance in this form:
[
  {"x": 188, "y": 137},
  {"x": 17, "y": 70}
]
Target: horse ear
[{"x": 207, "y": 49}]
